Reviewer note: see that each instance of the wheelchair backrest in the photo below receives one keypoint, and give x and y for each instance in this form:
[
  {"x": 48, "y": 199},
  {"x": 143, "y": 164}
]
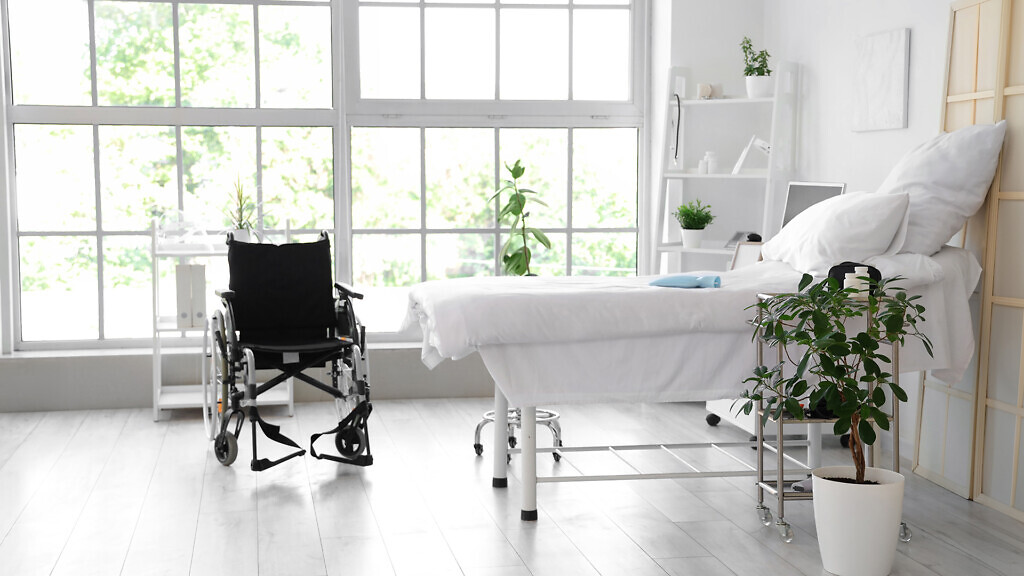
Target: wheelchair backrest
[{"x": 286, "y": 289}]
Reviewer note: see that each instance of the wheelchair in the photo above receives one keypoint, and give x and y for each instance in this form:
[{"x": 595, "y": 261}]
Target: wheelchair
[{"x": 283, "y": 313}]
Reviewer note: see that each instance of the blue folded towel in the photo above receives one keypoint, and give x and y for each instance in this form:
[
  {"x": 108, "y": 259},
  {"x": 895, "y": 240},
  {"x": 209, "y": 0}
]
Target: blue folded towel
[{"x": 687, "y": 281}]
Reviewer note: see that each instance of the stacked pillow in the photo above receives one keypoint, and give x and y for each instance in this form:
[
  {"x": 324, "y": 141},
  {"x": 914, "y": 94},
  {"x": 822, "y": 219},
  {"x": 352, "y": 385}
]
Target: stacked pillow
[{"x": 925, "y": 200}]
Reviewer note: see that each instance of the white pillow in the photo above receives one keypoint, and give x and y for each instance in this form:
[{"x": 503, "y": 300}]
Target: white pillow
[
  {"x": 851, "y": 227},
  {"x": 947, "y": 179}
]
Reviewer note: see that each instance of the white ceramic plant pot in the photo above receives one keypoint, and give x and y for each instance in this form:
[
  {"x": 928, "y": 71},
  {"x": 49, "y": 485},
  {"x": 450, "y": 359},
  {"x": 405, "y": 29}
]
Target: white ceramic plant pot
[
  {"x": 692, "y": 238},
  {"x": 240, "y": 235},
  {"x": 858, "y": 524},
  {"x": 760, "y": 86}
]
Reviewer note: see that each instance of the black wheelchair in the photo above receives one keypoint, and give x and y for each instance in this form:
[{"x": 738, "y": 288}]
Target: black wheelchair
[{"x": 283, "y": 313}]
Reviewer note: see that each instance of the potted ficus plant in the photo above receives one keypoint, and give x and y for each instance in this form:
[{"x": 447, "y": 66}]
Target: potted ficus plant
[
  {"x": 857, "y": 509},
  {"x": 241, "y": 213},
  {"x": 694, "y": 217},
  {"x": 515, "y": 253},
  {"x": 760, "y": 83}
]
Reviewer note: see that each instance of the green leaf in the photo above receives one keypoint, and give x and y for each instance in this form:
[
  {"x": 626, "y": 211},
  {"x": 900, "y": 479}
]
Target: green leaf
[
  {"x": 540, "y": 236},
  {"x": 880, "y": 418},
  {"x": 898, "y": 392},
  {"x": 867, "y": 432},
  {"x": 878, "y": 396},
  {"x": 805, "y": 281},
  {"x": 516, "y": 170},
  {"x": 842, "y": 426}
]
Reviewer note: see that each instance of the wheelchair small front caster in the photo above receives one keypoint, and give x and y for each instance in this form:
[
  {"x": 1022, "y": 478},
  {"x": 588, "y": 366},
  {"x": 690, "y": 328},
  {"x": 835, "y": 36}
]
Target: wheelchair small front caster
[
  {"x": 765, "y": 515},
  {"x": 712, "y": 419},
  {"x": 225, "y": 447},
  {"x": 350, "y": 442},
  {"x": 785, "y": 531},
  {"x": 479, "y": 449},
  {"x": 905, "y": 533}
]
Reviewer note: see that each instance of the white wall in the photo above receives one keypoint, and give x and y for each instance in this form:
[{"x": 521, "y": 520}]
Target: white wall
[{"x": 819, "y": 36}]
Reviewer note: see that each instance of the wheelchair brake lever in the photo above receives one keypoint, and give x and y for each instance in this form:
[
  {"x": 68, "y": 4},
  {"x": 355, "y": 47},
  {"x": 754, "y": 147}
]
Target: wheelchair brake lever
[{"x": 348, "y": 291}]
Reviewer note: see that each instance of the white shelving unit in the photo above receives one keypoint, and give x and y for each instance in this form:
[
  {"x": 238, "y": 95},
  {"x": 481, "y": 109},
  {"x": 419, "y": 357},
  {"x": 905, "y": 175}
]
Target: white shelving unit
[
  {"x": 751, "y": 200},
  {"x": 168, "y": 248}
]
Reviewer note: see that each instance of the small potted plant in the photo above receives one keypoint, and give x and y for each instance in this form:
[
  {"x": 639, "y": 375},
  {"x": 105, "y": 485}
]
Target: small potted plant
[
  {"x": 857, "y": 509},
  {"x": 241, "y": 214},
  {"x": 760, "y": 83},
  {"x": 694, "y": 217},
  {"x": 516, "y": 254}
]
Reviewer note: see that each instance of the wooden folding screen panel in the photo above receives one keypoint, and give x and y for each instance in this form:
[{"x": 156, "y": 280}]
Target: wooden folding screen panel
[{"x": 946, "y": 413}]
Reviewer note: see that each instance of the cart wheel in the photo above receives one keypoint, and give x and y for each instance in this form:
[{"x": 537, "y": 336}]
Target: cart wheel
[
  {"x": 479, "y": 449},
  {"x": 225, "y": 447},
  {"x": 905, "y": 533},
  {"x": 766, "y": 516},
  {"x": 511, "y": 441},
  {"x": 556, "y": 455},
  {"x": 785, "y": 532},
  {"x": 712, "y": 419},
  {"x": 845, "y": 440},
  {"x": 350, "y": 442}
]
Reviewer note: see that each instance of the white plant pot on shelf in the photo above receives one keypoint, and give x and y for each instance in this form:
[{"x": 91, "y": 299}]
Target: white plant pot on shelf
[
  {"x": 760, "y": 86},
  {"x": 692, "y": 238},
  {"x": 240, "y": 235},
  {"x": 858, "y": 524}
]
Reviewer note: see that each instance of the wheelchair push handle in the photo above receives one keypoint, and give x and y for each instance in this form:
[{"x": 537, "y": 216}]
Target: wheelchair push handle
[{"x": 347, "y": 290}]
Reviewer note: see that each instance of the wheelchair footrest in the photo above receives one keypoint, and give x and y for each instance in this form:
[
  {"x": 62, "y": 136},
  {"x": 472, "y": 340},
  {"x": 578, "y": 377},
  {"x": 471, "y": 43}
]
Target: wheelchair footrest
[
  {"x": 264, "y": 463},
  {"x": 273, "y": 433},
  {"x": 352, "y": 440}
]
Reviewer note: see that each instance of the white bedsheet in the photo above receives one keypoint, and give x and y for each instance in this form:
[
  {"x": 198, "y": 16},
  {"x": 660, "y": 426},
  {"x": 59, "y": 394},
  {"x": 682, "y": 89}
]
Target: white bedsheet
[{"x": 573, "y": 340}]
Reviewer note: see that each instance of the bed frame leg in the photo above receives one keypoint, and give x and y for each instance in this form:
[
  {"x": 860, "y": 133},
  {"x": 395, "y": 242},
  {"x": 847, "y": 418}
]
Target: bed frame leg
[
  {"x": 528, "y": 425},
  {"x": 500, "y": 451}
]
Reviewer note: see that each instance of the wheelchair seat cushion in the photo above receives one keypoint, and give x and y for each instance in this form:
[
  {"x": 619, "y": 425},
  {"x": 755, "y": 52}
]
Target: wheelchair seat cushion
[{"x": 282, "y": 293}]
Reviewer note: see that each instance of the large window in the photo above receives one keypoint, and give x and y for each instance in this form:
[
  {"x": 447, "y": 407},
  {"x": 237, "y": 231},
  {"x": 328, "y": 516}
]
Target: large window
[
  {"x": 448, "y": 93},
  {"x": 121, "y": 112}
]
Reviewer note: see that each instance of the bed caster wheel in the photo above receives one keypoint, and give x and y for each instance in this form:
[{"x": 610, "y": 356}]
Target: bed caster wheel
[
  {"x": 844, "y": 440},
  {"x": 785, "y": 532},
  {"x": 511, "y": 441},
  {"x": 225, "y": 447},
  {"x": 350, "y": 442},
  {"x": 905, "y": 533},
  {"x": 765, "y": 515},
  {"x": 712, "y": 419},
  {"x": 479, "y": 448},
  {"x": 508, "y": 458}
]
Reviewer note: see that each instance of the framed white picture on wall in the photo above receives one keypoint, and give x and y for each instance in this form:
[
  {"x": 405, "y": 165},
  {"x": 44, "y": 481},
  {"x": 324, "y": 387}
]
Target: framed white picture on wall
[{"x": 881, "y": 81}]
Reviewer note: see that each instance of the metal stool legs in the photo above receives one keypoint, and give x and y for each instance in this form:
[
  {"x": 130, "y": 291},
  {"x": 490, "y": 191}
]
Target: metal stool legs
[{"x": 547, "y": 418}]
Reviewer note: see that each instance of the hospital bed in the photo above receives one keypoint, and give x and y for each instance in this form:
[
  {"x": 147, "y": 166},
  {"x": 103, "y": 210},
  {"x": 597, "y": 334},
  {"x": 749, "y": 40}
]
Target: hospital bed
[{"x": 584, "y": 340}]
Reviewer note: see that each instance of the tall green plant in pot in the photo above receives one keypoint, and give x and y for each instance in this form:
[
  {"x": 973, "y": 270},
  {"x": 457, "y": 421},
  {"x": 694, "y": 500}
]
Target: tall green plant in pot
[
  {"x": 836, "y": 342},
  {"x": 760, "y": 83},
  {"x": 516, "y": 254},
  {"x": 241, "y": 213}
]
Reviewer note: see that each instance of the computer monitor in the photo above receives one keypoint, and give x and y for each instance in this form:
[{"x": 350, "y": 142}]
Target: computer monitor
[{"x": 803, "y": 195}]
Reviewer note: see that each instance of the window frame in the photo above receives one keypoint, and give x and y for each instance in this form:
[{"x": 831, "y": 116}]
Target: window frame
[{"x": 569, "y": 114}]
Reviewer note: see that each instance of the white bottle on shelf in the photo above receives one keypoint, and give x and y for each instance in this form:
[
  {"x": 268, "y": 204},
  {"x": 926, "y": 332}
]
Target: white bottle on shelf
[
  {"x": 702, "y": 166},
  {"x": 711, "y": 159}
]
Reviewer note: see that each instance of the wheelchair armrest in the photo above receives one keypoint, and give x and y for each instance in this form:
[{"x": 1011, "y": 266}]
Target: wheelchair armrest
[
  {"x": 347, "y": 290},
  {"x": 225, "y": 294}
]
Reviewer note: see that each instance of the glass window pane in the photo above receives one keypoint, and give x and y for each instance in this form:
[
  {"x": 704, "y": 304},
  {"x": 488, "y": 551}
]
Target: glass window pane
[
  {"x": 298, "y": 177},
  {"x": 389, "y": 52},
  {"x": 459, "y": 255},
  {"x": 54, "y": 195},
  {"x": 460, "y": 53},
  {"x": 460, "y": 177},
  {"x": 216, "y": 158},
  {"x": 383, "y": 267},
  {"x": 534, "y": 54},
  {"x": 536, "y": 1},
  {"x": 604, "y": 254},
  {"x": 218, "y": 63},
  {"x": 604, "y": 169},
  {"x": 58, "y": 288},
  {"x": 138, "y": 175},
  {"x": 545, "y": 155},
  {"x": 127, "y": 285},
  {"x": 544, "y": 261},
  {"x": 385, "y": 178},
  {"x": 295, "y": 56},
  {"x": 600, "y": 55},
  {"x": 134, "y": 54},
  {"x": 51, "y": 37}
]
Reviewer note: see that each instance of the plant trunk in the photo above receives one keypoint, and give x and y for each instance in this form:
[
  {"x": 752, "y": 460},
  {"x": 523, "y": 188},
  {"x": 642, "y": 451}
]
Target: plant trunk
[
  {"x": 857, "y": 448},
  {"x": 526, "y": 251}
]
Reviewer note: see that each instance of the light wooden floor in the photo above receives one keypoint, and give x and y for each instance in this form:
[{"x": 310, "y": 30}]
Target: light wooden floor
[{"x": 112, "y": 492}]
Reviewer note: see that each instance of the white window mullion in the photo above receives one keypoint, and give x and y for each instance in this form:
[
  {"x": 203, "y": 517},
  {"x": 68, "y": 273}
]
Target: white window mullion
[
  {"x": 98, "y": 199},
  {"x": 568, "y": 205},
  {"x": 497, "y": 202},
  {"x": 423, "y": 204},
  {"x": 256, "y": 51}
]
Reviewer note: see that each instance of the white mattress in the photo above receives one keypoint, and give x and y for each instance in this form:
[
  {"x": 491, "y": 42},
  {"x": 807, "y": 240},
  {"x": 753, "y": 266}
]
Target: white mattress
[{"x": 577, "y": 340}]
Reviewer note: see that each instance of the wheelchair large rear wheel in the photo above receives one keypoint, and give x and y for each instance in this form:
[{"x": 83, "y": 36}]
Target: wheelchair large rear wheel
[
  {"x": 213, "y": 401},
  {"x": 225, "y": 447}
]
